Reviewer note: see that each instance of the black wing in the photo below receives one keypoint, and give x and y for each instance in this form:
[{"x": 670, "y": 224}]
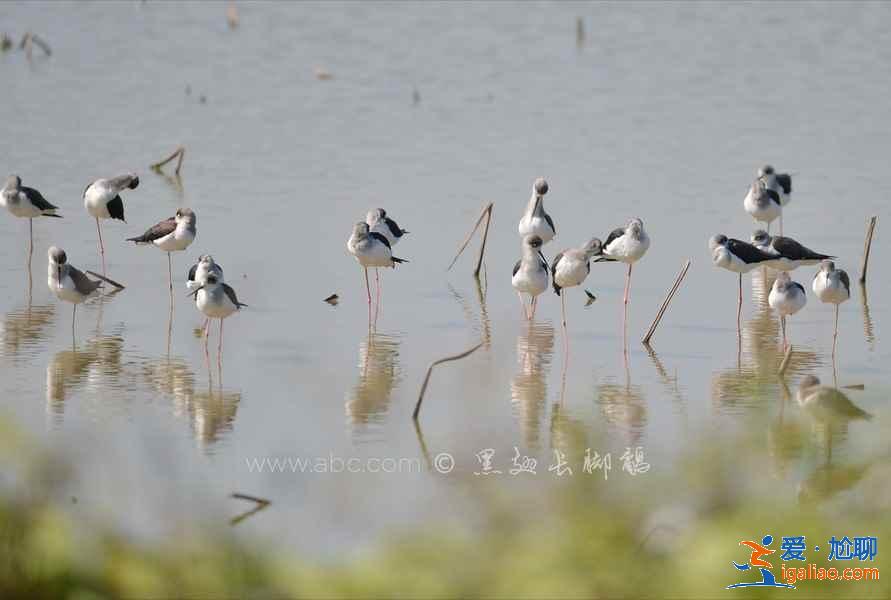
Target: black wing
[
  {"x": 773, "y": 195},
  {"x": 37, "y": 199},
  {"x": 395, "y": 230},
  {"x": 516, "y": 267},
  {"x": 379, "y": 237},
  {"x": 554, "y": 264},
  {"x": 613, "y": 235},
  {"x": 84, "y": 284},
  {"x": 748, "y": 253},
  {"x": 789, "y": 248},
  {"x": 232, "y": 297},
  {"x": 846, "y": 281},
  {"x": 192, "y": 272},
  {"x": 785, "y": 181},
  {"x": 158, "y": 231},
  {"x": 543, "y": 261},
  {"x": 800, "y": 287},
  {"x": 550, "y": 221},
  {"x": 116, "y": 208}
]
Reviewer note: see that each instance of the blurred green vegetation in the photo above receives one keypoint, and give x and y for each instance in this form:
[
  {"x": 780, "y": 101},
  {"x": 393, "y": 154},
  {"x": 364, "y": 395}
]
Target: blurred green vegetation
[{"x": 594, "y": 542}]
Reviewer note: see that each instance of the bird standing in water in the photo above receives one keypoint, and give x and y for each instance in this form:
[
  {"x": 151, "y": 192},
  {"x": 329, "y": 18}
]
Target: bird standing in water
[
  {"x": 26, "y": 203},
  {"x": 103, "y": 201},
  {"x": 67, "y": 282},
  {"x": 739, "y": 257},
  {"x": 787, "y": 297},
  {"x": 171, "y": 235},
  {"x": 569, "y": 269},
  {"x": 832, "y": 286},
  {"x": 530, "y": 274},
  {"x": 535, "y": 220},
  {"x": 627, "y": 245},
  {"x": 371, "y": 249},
  {"x": 763, "y": 203},
  {"x": 217, "y": 300},
  {"x": 379, "y": 222}
]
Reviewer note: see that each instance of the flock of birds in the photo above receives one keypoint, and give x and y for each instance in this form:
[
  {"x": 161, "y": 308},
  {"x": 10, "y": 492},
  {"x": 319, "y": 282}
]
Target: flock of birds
[
  {"x": 102, "y": 200},
  {"x": 765, "y": 201}
]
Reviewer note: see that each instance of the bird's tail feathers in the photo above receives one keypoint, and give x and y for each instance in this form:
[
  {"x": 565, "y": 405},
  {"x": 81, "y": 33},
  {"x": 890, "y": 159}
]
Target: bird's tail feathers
[{"x": 397, "y": 260}]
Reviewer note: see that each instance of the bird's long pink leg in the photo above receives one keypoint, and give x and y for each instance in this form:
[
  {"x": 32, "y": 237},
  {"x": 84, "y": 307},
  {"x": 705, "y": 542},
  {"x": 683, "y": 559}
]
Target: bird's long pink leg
[
  {"x": 368, "y": 293},
  {"x": 565, "y": 337},
  {"x": 220, "y": 348},
  {"x": 783, "y": 320},
  {"x": 30, "y": 237},
  {"x": 835, "y": 335},
  {"x": 523, "y": 305},
  {"x": 101, "y": 247},
  {"x": 206, "y": 341},
  {"x": 73, "y": 317},
  {"x": 739, "y": 303},
  {"x": 377, "y": 307},
  {"x": 627, "y": 293},
  {"x": 534, "y": 305}
]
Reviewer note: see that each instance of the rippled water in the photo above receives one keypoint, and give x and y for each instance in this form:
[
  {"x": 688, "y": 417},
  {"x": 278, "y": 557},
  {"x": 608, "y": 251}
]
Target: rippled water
[{"x": 664, "y": 112}]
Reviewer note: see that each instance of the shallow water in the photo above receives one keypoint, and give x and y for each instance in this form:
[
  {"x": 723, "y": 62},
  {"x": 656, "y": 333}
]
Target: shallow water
[{"x": 664, "y": 113}]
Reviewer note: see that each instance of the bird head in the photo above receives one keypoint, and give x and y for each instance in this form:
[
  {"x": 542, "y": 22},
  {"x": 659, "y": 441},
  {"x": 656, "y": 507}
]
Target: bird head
[
  {"x": 593, "y": 247},
  {"x": 534, "y": 242},
  {"x": 13, "y": 182},
  {"x": 717, "y": 241},
  {"x": 765, "y": 170},
  {"x": 635, "y": 226},
  {"x": 827, "y": 266},
  {"x": 187, "y": 216},
  {"x": 360, "y": 228},
  {"x": 375, "y": 215},
  {"x": 540, "y": 187},
  {"x": 760, "y": 238}
]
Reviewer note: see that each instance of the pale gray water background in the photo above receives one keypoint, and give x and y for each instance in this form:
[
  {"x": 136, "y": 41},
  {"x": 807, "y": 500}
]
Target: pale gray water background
[{"x": 665, "y": 113}]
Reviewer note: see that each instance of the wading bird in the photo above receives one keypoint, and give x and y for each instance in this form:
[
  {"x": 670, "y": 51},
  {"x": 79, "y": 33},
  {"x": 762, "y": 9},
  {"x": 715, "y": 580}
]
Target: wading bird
[
  {"x": 832, "y": 286},
  {"x": 217, "y": 300},
  {"x": 171, "y": 235},
  {"x": 371, "y": 249},
  {"x": 779, "y": 182},
  {"x": 103, "y": 201},
  {"x": 530, "y": 274},
  {"x": 627, "y": 245},
  {"x": 25, "y": 203},
  {"x": 200, "y": 271},
  {"x": 787, "y": 297},
  {"x": 827, "y": 403},
  {"x": 788, "y": 254},
  {"x": 762, "y": 203},
  {"x": 535, "y": 220},
  {"x": 736, "y": 256},
  {"x": 67, "y": 282},
  {"x": 569, "y": 269}
]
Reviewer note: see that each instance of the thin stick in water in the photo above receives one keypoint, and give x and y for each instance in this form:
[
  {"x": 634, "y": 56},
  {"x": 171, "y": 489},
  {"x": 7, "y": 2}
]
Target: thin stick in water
[
  {"x": 417, "y": 411},
  {"x": 486, "y": 211},
  {"x": 866, "y": 246},
  {"x": 261, "y": 504},
  {"x": 664, "y": 307},
  {"x": 179, "y": 153},
  {"x": 479, "y": 259}
]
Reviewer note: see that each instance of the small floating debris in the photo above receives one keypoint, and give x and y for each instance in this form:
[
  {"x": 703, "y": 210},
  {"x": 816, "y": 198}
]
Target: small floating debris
[
  {"x": 333, "y": 299},
  {"x": 579, "y": 32},
  {"x": 591, "y": 299},
  {"x": 323, "y": 74},
  {"x": 415, "y": 96}
]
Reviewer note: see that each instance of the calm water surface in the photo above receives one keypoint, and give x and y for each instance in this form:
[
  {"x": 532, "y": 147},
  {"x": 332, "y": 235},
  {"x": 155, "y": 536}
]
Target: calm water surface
[{"x": 663, "y": 113}]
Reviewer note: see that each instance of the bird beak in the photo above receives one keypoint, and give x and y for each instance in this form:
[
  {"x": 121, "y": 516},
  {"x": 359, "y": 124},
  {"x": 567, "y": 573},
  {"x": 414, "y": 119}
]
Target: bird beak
[{"x": 59, "y": 273}]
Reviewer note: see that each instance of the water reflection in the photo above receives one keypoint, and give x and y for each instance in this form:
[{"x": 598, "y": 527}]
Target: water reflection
[
  {"x": 754, "y": 378},
  {"x": 784, "y": 436},
  {"x": 528, "y": 388},
  {"x": 480, "y": 323},
  {"x": 868, "y": 329},
  {"x": 210, "y": 412},
  {"x": 624, "y": 405},
  {"x": 23, "y": 329},
  {"x": 97, "y": 365},
  {"x": 369, "y": 400}
]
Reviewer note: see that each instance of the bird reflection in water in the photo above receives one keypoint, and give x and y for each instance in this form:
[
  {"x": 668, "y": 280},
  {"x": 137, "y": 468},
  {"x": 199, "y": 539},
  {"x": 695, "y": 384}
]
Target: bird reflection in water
[
  {"x": 753, "y": 379},
  {"x": 480, "y": 324},
  {"x": 211, "y": 412},
  {"x": 624, "y": 406},
  {"x": 96, "y": 365},
  {"x": 379, "y": 373},
  {"x": 830, "y": 412},
  {"x": 528, "y": 388},
  {"x": 24, "y": 328}
]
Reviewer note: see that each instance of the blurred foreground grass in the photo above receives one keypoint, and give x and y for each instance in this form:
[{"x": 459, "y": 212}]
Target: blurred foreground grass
[{"x": 592, "y": 544}]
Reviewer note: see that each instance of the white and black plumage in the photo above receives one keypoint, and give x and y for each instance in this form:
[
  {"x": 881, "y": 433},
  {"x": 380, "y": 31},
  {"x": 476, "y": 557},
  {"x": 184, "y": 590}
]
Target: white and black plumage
[
  {"x": 781, "y": 182},
  {"x": 787, "y": 297},
  {"x": 371, "y": 249},
  {"x": 217, "y": 300},
  {"x": 530, "y": 275},
  {"x": 737, "y": 256},
  {"x": 25, "y": 203},
  {"x": 171, "y": 235},
  {"x": 762, "y": 203},
  {"x": 826, "y": 403},
  {"x": 67, "y": 282},
  {"x": 103, "y": 201},
  {"x": 788, "y": 254},
  {"x": 832, "y": 286},
  {"x": 379, "y": 222},
  {"x": 200, "y": 271},
  {"x": 627, "y": 245},
  {"x": 569, "y": 269},
  {"x": 535, "y": 220}
]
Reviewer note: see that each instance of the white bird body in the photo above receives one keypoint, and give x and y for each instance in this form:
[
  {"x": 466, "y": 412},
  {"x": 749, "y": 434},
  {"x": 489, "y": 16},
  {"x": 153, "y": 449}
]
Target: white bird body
[
  {"x": 66, "y": 282},
  {"x": 724, "y": 258},
  {"x": 826, "y": 403},
  {"x": 627, "y": 244},
  {"x": 531, "y": 271},
  {"x": 172, "y": 235},
  {"x": 762, "y": 203},
  {"x": 535, "y": 221},
  {"x": 178, "y": 240},
  {"x": 379, "y": 222},
  {"x": 572, "y": 269},
  {"x": 101, "y": 197},
  {"x": 370, "y": 249},
  {"x": 200, "y": 271},
  {"x": 213, "y": 300},
  {"x": 831, "y": 285},
  {"x": 787, "y": 297},
  {"x": 24, "y": 202}
]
